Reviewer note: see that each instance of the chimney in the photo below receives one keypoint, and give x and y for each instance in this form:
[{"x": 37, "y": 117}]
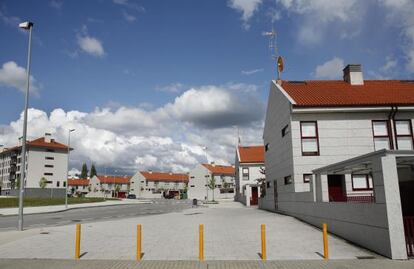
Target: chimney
[
  {"x": 48, "y": 137},
  {"x": 150, "y": 171},
  {"x": 213, "y": 164},
  {"x": 353, "y": 74}
]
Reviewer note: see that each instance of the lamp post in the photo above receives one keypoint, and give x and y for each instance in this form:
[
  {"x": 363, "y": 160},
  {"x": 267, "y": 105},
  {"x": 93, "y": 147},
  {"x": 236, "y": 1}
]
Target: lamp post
[
  {"x": 27, "y": 26},
  {"x": 67, "y": 169},
  {"x": 206, "y": 176}
]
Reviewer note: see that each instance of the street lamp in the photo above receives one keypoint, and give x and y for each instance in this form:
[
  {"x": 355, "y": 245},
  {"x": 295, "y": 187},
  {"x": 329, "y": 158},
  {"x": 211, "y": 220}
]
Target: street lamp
[
  {"x": 206, "y": 176},
  {"x": 27, "y": 26},
  {"x": 67, "y": 170}
]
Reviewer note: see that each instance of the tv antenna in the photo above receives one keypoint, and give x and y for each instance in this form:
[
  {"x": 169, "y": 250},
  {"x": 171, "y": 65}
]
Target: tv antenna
[{"x": 273, "y": 51}]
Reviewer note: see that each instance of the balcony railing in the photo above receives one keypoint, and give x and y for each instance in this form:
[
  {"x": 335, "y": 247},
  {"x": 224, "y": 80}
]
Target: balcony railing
[{"x": 369, "y": 198}]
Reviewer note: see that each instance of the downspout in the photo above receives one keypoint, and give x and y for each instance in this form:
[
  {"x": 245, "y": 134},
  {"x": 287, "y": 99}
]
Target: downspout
[{"x": 391, "y": 119}]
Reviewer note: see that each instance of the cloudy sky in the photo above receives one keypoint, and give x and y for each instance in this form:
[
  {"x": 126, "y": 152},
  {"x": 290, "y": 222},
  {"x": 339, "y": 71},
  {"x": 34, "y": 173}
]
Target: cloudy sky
[{"x": 148, "y": 84}]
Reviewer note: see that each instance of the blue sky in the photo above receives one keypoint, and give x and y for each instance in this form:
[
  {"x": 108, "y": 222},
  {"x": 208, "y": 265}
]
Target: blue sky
[{"x": 148, "y": 69}]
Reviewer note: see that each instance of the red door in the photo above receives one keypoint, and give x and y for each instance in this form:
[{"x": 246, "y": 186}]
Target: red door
[
  {"x": 336, "y": 189},
  {"x": 255, "y": 197}
]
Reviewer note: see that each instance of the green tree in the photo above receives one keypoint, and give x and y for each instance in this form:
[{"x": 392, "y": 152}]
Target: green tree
[
  {"x": 212, "y": 185},
  {"x": 84, "y": 173},
  {"x": 93, "y": 171},
  {"x": 43, "y": 182}
]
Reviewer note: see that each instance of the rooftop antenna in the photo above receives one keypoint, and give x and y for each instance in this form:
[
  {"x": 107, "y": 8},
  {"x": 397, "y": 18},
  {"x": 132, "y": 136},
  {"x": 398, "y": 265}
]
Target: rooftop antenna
[{"x": 273, "y": 51}]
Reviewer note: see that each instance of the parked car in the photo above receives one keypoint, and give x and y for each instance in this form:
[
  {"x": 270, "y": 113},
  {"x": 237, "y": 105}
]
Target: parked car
[{"x": 131, "y": 196}]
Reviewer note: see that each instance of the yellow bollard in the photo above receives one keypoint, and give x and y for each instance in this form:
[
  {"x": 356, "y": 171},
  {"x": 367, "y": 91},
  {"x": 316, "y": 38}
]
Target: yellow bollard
[
  {"x": 139, "y": 249},
  {"x": 325, "y": 242},
  {"x": 263, "y": 233},
  {"x": 77, "y": 241},
  {"x": 201, "y": 242}
]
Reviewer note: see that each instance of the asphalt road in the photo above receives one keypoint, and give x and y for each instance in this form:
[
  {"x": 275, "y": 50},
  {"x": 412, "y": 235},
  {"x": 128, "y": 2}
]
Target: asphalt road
[{"x": 94, "y": 214}]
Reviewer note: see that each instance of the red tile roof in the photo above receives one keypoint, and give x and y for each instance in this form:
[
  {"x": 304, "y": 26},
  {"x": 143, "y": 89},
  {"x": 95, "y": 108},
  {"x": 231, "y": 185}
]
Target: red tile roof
[
  {"x": 329, "y": 93},
  {"x": 40, "y": 143},
  {"x": 114, "y": 179},
  {"x": 220, "y": 169},
  {"x": 251, "y": 154},
  {"x": 160, "y": 176},
  {"x": 78, "y": 182}
]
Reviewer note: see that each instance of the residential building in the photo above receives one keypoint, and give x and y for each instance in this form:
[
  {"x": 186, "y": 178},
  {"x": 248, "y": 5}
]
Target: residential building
[
  {"x": 109, "y": 186},
  {"x": 78, "y": 187},
  {"x": 249, "y": 170},
  {"x": 200, "y": 179},
  {"x": 149, "y": 184},
  {"x": 45, "y": 158},
  {"x": 341, "y": 153}
]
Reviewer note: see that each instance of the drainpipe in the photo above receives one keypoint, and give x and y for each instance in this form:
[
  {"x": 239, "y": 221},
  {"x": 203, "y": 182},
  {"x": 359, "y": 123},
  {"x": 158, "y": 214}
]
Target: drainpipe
[{"x": 391, "y": 118}]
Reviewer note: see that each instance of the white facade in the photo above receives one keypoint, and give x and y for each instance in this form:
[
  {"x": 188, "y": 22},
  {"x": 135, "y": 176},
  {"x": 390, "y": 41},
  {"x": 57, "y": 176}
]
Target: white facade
[
  {"x": 295, "y": 148},
  {"x": 109, "y": 186},
  {"x": 45, "y": 158},
  {"x": 156, "y": 184},
  {"x": 200, "y": 177}
]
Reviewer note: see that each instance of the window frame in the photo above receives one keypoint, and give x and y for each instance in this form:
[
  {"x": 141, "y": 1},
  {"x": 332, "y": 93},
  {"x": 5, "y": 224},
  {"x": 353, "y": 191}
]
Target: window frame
[
  {"x": 389, "y": 136},
  {"x": 366, "y": 180},
  {"x": 304, "y": 177},
  {"x": 288, "y": 180},
  {"x": 247, "y": 175},
  {"x": 409, "y": 135},
  {"x": 303, "y": 138}
]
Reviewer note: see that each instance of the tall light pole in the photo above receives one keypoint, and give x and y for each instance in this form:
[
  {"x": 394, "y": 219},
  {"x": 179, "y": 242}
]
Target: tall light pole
[
  {"x": 206, "y": 176},
  {"x": 67, "y": 170},
  {"x": 27, "y": 26}
]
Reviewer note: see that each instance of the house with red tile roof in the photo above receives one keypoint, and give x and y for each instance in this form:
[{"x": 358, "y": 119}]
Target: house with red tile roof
[
  {"x": 341, "y": 152},
  {"x": 109, "y": 186},
  {"x": 46, "y": 158},
  {"x": 249, "y": 169},
  {"x": 202, "y": 177},
  {"x": 78, "y": 186},
  {"x": 151, "y": 184}
]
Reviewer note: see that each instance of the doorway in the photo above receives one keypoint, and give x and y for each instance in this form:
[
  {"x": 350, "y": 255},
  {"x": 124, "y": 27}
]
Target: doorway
[
  {"x": 255, "y": 196},
  {"x": 336, "y": 188}
]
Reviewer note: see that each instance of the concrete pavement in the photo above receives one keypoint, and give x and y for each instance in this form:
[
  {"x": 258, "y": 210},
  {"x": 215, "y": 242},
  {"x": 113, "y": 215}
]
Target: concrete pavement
[
  {"x": 60, "y": 208},
  {"x": 232, "y": 232},
  {"x": 308, "y": 264}
]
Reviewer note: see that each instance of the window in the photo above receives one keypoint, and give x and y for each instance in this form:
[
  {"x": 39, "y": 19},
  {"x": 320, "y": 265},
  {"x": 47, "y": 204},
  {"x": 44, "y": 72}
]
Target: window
[
  {"x": 404, "y": 134},
  {"x": 307, "y": 178},
  {"x": 49, "y": 165},
  {"x": 267, "y": 147},
  {"x": 50, "y": 150},
  {"x": 48, "y": 174},
  {"x": 288, "y": 180},
  {"x": 64, "y": 183},
  {"x": 192, "y": 186},
  {"x": 285, "y": 130},
  {"x": 380, "y": 130},
  {"x": 309, "y": 136},
  {"x": 49, "y": 158},
  {"x": 361, "y": 182},
  {"x": 245, "y": 173},
  {"x": 146, "y": 183},
  {"x": 268, "y": 184},
  {"x": 57, "y": 183},
  {"x": 192, "y": 177}
]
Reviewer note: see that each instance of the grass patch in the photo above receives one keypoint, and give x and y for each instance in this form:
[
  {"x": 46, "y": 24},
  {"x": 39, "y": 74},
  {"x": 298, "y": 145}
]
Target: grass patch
[{"x": 14, "y": 202}]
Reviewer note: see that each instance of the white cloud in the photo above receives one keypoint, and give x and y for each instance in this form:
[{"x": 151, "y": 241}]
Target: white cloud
[
  {"x": 129, "y": 4},
  {"x": 56, "y": 4},
  {"x": 168, "y": 138},
  {"x": 247, "y": 8},
  {"x": 171, "y": 88},
  {"x": 91, "y": 45},
  {"x": 129, "y": 17},
  {"x": 331, "y": 69},
  {"x": 400, "y": 13},
  {"x": 251, "y": 72},
  {"x": 10, "y": 20},
  {"x": 317, "y": 16},
  {"x": 14, "y": 76}
]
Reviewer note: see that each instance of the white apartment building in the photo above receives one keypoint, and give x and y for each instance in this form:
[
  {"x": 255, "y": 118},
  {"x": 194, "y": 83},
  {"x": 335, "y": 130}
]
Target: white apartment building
[
  {"x": 249, "y": 169},
  {"x": 200, "y": 178},
  {"x": 44, "y": 158},
  {"x": 109, "y": 186},
  {"x": 341, "y": 153},
  {"x": 149, "y": 184}
]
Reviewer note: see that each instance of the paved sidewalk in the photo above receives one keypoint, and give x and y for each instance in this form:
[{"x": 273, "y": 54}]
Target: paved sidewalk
[
  {"x": 232, "y": 232},
  {"x": 59, "y": 208},
  {"x": 303, "y": 264}
]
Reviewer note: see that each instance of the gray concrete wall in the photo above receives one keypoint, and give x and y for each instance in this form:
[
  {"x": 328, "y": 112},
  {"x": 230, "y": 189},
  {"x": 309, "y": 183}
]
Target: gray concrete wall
[{"x": 37, "y": 192}]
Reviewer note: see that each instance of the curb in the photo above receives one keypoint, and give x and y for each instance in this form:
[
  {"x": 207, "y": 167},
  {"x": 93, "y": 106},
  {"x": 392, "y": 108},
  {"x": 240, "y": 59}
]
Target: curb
[{"x": 67, "y": 209}]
